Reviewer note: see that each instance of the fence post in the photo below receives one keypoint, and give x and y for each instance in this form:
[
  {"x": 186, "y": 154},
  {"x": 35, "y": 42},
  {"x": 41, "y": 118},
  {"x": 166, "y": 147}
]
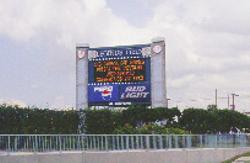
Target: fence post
[
  {"x": 98, "y": 142},
  {"x": 154, "y": 142},
  {"x": 216, "y": 141},
  {"x": 36, "y": 144},
  {"x": 127, "y": 142},
  {"x": 122, "y": 142},
  {"x": 161, "y": 142},
  {"x": 189, "y": 141},
  {"x": 87, "y": 143},
  {"x": 132, "y": 142},
  {"x": 82, "y": 143},
  {"x": 147, "y": 142},
  {"x": 101, "y": 142},
  {"x": 176, "y": 141},
  {"x": 15, "y": 144},
  {"x": 60, "y": 144},
  {"x": 113, "y": 142},
  {"x": 137, "y": 142},
  {"x": 9, "y": 148},
  {"x": 141, "y": 142},
  {"x": 117, "y": 142},
  {"x": 106, "y": 143},
  {"x": 201, "y": 141}
]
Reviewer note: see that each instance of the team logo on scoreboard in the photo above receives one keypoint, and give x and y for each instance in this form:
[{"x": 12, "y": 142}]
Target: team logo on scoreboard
[
  {"x": 157, "y": 49},
  {"x": 105, "y": 92},
  {"x": 81, "y": 53}
]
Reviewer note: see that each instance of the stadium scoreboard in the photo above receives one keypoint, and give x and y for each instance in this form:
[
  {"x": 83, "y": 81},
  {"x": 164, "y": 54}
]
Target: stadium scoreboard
[{"x": 121, "y": 75}]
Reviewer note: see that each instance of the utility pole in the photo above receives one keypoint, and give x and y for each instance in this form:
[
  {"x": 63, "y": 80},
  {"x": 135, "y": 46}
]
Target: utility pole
[
  {"x": 228, "y": 101},
  {"x": 168, "y": 99},
  {"x": 216, "y": 98},
  {"x": 233, "y": 105}
]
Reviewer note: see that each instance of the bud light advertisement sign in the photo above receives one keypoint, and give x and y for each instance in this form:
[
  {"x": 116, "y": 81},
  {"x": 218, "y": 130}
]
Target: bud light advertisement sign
[{"x": 134, "y": 93}]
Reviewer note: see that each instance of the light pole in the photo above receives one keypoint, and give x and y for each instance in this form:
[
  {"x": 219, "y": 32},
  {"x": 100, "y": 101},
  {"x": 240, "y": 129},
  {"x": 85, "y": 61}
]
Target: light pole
[
  {"x": 168, "y": 99},
  {"x": 233, "y": 105},
  {"x": 216, "y": 98}
]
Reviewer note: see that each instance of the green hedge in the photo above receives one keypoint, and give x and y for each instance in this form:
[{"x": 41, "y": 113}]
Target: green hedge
[
  {"x": 15, "y": 120},
  {"x": 135, "y": 119},
  {"x": 148, "y": 129}
]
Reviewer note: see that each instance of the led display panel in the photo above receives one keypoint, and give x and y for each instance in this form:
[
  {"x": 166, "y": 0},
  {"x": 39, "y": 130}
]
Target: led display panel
[{"x": 119, "y": 76}]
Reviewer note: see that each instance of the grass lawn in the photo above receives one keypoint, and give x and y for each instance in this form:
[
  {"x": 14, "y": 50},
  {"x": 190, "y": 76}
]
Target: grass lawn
[{"x": 236, "y": 157}]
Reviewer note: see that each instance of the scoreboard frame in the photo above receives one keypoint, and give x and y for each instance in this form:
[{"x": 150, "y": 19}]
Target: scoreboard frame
[{"x": 116, "y": 93}]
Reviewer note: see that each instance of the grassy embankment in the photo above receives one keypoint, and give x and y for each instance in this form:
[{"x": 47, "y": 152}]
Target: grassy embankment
[{"x": 236, "y": 157}]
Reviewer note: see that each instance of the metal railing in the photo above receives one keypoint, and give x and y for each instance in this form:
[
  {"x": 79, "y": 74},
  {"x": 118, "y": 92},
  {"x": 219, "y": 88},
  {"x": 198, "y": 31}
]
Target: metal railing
[{"x": 48, "y": 143}]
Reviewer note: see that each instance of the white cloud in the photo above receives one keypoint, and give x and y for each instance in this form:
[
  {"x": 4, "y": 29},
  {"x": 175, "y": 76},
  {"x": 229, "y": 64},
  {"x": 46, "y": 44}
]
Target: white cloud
[
  {"x": 182, "y": 82},
  {"x": 67, "y": 22},
  {"x": 13, "y": 102},
  {"x": 207, "y": 48}
]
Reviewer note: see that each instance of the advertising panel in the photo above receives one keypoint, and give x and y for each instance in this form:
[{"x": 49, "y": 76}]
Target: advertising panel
[{"x": 119, "y": 95}]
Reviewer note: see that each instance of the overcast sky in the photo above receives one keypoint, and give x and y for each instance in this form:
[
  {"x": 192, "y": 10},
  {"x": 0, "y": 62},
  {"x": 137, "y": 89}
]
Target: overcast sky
[{"x": 208, "y": 46}]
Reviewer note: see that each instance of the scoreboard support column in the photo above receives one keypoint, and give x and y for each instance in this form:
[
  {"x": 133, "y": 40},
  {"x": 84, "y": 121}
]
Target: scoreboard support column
[
  {"x": 158, "y": 73},
  {"x": 82, "y": 76}
]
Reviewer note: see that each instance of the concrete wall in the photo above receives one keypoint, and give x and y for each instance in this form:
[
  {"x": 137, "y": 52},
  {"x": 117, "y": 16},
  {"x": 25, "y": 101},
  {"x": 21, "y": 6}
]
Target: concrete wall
[{"x": 159, "y": 156}]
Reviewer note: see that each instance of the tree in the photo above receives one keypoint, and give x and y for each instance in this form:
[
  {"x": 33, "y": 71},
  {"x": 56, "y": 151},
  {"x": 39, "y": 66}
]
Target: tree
[
  {"x": 99, "y": 122},
  {"x": 212, "y": 107},
  {"x": 135, "y": 115},
  {"x": 228, "y": 118},
  {"x": 197, "y": 121}
]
